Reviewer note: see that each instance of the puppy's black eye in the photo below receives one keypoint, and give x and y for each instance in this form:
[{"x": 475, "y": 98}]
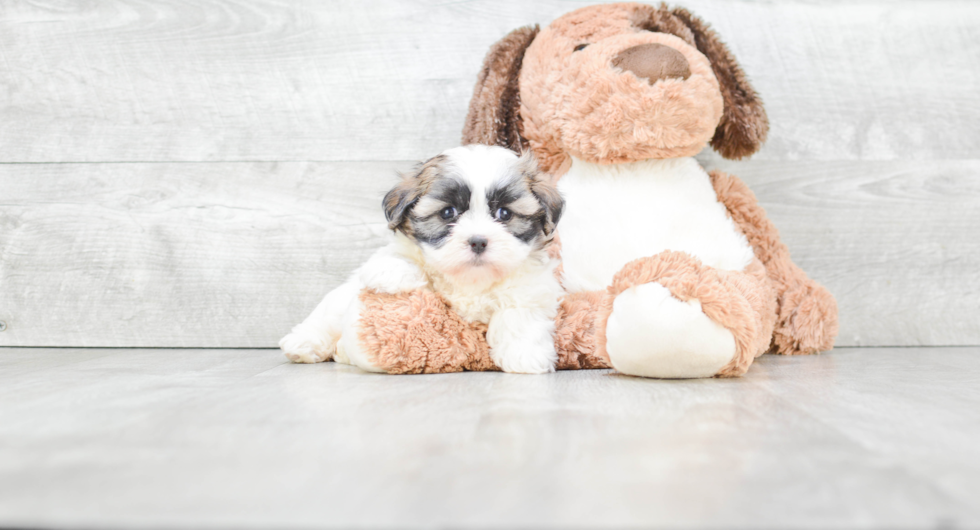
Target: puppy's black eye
[
  {"x": 503, "y": 214},
  {"x": 448, "y": 213},
  {"x": 580, "y": 47}
]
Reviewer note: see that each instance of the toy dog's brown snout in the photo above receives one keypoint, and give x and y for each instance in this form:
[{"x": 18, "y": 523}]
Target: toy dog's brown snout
[{"x": 653, "y": 62}]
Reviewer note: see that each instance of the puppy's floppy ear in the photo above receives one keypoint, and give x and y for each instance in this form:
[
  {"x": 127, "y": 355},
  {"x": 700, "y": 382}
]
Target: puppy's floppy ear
[
  {"x": 400, "y": 199},
  {"x": 494, "y": 116},
  {"x": 744, "y": 125},
  {"x": 544, "y": 190}
]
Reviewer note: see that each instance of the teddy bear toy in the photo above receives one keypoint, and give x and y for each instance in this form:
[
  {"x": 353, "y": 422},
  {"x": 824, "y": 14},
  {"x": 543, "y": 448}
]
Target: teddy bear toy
[{"x": 670, "y": 271}]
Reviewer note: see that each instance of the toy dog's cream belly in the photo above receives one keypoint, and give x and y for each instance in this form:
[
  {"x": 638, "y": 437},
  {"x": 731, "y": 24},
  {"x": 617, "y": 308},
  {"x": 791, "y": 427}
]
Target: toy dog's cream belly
[{"x": 617, "y": 213}]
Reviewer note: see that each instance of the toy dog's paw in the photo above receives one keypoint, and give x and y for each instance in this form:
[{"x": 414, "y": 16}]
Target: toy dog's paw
[
  {"x": 525, "y": 357},
  {"x": 652, "y": 334},
  {"x": 303, "y": 346},
  {"x": 807, "y": 321}
]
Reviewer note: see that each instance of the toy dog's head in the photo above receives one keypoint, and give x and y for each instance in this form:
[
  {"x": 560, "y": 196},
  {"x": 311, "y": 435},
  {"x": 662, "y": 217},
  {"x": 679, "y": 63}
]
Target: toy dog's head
[
  {"x": 476, "y": 212},
  {"x": 615, "y": 83}
]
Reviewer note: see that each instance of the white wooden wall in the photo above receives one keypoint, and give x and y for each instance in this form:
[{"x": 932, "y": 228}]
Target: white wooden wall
[{"x": 200, "y": 172}]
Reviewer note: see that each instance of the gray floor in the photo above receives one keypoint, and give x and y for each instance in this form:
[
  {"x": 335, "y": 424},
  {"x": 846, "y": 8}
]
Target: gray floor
[{"x": 231, "y": 438}]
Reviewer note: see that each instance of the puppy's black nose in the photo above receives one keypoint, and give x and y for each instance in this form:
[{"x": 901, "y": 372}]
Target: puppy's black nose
[{"x": 478, "y": 244}]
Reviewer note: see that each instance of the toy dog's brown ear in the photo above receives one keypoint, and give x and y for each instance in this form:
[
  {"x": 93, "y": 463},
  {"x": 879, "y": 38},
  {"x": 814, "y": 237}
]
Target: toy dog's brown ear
[
  {"x": 494, "y": 116},
  {"x": 744, "y": 125}
]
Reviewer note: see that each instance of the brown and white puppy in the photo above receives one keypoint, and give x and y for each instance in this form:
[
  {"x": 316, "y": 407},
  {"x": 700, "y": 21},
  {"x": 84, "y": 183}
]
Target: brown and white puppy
[{"x": 470, "y": 224}]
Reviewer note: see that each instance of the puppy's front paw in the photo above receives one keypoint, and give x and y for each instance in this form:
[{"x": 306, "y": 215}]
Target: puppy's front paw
[
  {"x": 525, "y": 357},
  {"x": 302, "y": 346}
]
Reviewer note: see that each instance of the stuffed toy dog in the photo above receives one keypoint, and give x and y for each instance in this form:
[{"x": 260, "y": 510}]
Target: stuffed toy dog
[{"x": 669, "y": 271}]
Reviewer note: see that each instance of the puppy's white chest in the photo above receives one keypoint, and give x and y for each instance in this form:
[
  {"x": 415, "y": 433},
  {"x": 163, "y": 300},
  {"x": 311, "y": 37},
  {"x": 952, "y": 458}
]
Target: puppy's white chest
[
  {"x": 532, "y": 287},
  {"x": 617, "y": 213}
]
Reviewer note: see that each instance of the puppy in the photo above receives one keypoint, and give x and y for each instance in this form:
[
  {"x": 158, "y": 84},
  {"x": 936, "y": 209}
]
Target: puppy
[{"x": 470, "y": 224}]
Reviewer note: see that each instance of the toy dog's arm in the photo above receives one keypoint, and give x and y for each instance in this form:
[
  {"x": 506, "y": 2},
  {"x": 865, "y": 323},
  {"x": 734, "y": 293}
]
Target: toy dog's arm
[
  {"x": 418, "y": 332},
  {"x": 807, "y": 313},
  {"x": 316, "y": 338}
]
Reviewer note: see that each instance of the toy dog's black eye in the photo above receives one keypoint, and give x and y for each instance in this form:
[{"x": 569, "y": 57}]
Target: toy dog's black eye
[
  {"x": 503, "y": 214},
  {"x": 580, "y": 47},
  {"x": 448, "y": 213}
]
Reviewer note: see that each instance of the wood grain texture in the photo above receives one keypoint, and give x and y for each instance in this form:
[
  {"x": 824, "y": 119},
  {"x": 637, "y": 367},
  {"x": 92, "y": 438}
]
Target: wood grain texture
[
  {"x": 895, "y": 242},
  {"x": 154, "y": 80},
  {"x": 234, "y": 254},
  {"x": 179, "y": 254},
  {"x": 869, "y": 438}
]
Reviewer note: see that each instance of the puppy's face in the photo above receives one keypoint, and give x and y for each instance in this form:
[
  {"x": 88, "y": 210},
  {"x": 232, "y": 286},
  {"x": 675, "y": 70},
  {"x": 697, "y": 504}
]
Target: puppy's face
[{"x": 477, "y": 212}]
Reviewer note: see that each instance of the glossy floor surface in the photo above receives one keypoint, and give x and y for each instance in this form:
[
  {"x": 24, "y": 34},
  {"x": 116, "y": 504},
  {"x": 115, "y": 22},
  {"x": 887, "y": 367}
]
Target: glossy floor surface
[{"x": 240, "y": 438}]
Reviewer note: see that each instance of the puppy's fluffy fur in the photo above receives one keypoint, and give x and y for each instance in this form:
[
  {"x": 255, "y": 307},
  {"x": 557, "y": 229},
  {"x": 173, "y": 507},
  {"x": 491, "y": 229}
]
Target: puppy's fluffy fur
[{"x": 470, "y": 224}]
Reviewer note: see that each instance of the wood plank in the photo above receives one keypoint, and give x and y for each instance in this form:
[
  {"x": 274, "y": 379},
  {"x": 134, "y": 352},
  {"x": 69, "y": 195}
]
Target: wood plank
[
  {"x": 234, "y": 254},
  {"x": 146, "y": 80},
  {"x": 896, "y": 242},
  {"x": 876, "y": 438},
  {"x": 179, "y": 254}
]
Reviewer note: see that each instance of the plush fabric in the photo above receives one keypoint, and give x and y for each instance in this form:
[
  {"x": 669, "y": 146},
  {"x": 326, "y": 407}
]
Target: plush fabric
[
  {"x": 807, "y": 312},
  {"x": 578, "y": 329},
  {"x": 611, "y": 84},
  {"x": 574, "y": 103},
  {"x": 742, "y": 127},
  {"x": 417, "y": 333},
  {"x": 741, "y": 301},
  {"x": 494, "y": 114}
]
